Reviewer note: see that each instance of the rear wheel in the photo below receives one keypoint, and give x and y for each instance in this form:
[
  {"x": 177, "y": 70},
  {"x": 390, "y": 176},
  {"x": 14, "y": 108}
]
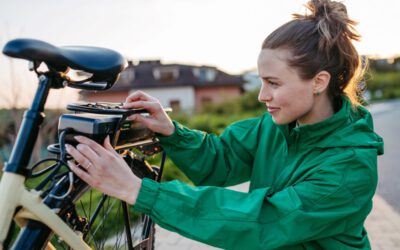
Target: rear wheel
[
  {"x": 103, "y": 221},
  {"x": 100, "y": 219},
  {"x": 107, "y": 226}
]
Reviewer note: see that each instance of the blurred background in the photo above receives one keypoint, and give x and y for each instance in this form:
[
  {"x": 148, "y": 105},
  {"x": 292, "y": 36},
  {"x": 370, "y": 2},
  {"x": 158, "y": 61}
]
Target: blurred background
[
  {"x": 198, "y": 57},
  {"x": 216, "y": 33}
]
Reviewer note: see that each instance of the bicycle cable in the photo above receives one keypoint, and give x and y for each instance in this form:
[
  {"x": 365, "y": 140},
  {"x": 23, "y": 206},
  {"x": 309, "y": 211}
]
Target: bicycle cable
[{"x": 55, "y": 167}]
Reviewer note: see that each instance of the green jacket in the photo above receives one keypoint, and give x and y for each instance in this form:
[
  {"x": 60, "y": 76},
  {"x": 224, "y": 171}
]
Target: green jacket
[{"x": 311, "y": 186}]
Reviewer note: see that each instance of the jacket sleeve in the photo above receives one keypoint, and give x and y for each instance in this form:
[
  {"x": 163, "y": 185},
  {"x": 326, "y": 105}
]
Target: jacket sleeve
[
  {"x": 211, "y": 160},
  {"x": 329, "y": 202}
]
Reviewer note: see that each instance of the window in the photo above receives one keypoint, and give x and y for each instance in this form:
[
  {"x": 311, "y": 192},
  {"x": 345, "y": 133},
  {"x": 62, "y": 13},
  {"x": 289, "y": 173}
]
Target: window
[
  {"x": 166, "y": 74},
  {"x": 206, "y": 100},
  {"x": 205, "y": 74},
  {"x": 175, "y": 105},
  {"x": 127, "y": 76}
]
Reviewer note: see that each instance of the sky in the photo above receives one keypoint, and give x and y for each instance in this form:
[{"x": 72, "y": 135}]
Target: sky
[{"x": 223, "y": 33}]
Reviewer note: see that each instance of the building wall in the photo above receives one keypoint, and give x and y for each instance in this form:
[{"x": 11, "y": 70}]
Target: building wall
[
  {"x": 105, "y": 96},
  {"x": 215, "y": 94},
  {"x": 189, "y": 99}
]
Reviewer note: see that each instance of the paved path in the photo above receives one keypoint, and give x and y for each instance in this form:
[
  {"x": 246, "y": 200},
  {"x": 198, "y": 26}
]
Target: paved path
[
  {"x": 387, "y": 124},
  {"x": 383, "y": 226}
]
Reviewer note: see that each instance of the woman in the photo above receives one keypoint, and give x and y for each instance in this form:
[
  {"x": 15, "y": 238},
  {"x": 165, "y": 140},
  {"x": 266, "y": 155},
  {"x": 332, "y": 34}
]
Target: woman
[{"x": 311, "y": 160}]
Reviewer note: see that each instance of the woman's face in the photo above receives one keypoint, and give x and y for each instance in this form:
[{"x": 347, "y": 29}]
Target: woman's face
[{"x": 286, "y": 95}]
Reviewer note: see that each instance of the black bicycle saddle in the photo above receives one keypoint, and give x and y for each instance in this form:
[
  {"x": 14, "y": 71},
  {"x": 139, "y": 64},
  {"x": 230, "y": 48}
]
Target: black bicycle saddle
[{"x": 98, "y": 61}]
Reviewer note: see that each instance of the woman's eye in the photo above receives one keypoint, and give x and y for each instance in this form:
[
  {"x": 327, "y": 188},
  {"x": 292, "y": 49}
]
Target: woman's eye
[{"x": 272, "y": 84}]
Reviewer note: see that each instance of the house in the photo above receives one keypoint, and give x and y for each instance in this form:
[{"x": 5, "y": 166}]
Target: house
[
  {"x": 179, "y": 86},
  {"x": 253, "y": 81}
]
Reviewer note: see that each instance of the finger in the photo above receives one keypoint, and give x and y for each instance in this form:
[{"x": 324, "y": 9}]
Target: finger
[
  {"x": 107, "y": 144},
  {"x": 94, "y": 146},
  {"x": 147, "y": 121},
  {"x": 79, "y": 172},
  {"x": 139, "y": 95},
  {"x": 78, "y": 156},
  {"x": 89, "y": 153},
  {"x": 150, "y": 106}
]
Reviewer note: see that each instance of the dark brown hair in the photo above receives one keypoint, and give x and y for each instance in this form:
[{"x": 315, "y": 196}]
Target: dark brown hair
[{"x": 322, "y": 40}]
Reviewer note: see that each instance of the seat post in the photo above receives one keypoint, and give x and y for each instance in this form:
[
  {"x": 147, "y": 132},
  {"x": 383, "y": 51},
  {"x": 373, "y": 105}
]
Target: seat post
[{"x": 28, "y": 132}]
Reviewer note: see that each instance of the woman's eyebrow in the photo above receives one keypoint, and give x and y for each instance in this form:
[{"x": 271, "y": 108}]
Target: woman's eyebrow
[{"x": 269, "y": 78}]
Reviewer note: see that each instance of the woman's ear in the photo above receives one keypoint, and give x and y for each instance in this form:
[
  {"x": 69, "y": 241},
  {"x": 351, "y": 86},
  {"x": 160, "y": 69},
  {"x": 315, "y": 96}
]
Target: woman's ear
[{"x": 321, "y": 82}]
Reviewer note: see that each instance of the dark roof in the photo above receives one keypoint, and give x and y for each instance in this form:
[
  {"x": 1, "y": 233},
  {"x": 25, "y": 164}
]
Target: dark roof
[{"x": 143, "y": 77}]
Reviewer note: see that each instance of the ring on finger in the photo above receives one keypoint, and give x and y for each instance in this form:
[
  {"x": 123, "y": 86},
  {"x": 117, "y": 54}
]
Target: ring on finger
[{"x": 89, "y": 166}]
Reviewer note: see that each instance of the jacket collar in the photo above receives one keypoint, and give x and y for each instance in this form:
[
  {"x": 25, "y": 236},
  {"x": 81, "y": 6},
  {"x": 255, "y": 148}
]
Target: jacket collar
[{"x": 312, "y": 133}]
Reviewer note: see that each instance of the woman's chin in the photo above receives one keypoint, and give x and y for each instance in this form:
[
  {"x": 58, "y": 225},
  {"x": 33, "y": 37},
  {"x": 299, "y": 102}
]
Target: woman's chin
[
  {"x": 277, "y": 121},
  {"x": 280, "y": 121}
]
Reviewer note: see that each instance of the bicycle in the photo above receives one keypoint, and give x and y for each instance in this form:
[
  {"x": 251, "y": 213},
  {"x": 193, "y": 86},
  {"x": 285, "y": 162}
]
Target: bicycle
[{"x": 58, "y": 212}]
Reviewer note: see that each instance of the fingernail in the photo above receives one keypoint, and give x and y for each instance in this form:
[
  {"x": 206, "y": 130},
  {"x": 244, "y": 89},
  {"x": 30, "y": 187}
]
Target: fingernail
[
  {"x": 78, "y": 138},
  {"x": 131, "y": 118},
  {"x": 68, "y": 147}
]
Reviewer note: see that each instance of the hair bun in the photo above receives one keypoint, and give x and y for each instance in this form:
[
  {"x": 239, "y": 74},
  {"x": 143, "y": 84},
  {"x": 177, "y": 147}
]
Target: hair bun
[
  {"x": 325, "y": 9},
  {"x": 332, "y": 22}
]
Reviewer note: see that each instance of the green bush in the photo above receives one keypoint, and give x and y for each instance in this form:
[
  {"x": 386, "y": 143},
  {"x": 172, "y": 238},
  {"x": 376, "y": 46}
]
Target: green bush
[{"x": 384, "y": 85}]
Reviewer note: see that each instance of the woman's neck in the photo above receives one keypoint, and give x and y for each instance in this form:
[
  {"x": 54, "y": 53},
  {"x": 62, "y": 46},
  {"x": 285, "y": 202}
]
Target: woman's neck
[{"x": 322, "y": 110}]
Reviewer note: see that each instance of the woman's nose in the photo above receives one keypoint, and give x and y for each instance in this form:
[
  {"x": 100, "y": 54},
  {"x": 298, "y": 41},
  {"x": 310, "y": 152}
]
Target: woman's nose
[{"x": 264, "y": 95}]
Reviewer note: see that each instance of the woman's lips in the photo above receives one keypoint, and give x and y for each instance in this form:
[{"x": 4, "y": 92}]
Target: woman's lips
[{"x": 272, "y": 109}]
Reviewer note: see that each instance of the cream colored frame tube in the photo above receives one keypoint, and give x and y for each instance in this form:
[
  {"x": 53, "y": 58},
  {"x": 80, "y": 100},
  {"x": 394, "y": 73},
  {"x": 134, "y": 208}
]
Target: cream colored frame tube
[{"x": 13, "y": 193}]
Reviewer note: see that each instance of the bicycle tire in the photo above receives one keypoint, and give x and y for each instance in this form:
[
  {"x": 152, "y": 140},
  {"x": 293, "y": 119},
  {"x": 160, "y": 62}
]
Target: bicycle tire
[{"x": 35, "y": 235}]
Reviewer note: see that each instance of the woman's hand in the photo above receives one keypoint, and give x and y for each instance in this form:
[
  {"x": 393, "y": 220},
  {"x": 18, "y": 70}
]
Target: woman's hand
[
  {"x": 104, "y": 169},
  {"x": 158, "y": 120}
]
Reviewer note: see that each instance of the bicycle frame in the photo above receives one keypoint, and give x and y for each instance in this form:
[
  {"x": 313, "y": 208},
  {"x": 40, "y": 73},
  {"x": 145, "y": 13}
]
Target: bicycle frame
[{"x": 13, "y": 193}]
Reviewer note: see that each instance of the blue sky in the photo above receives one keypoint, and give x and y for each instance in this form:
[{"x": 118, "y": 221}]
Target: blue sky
[{"x": 222, "y": 33}]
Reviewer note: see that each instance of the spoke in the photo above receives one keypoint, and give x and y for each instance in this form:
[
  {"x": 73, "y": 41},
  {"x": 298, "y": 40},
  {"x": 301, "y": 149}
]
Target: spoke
[
  {"x": 90, "y": 232},
  {"x": 108, "y": 207},
  {"x": 107, "y": 229},
  {"x": 88, "y": 217},
  {"x": 90, "y": 203},
  {"x": 119, "y": 236},
  {"x": 83, "y": 209},
  {"x": 102, "y": 221}
]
